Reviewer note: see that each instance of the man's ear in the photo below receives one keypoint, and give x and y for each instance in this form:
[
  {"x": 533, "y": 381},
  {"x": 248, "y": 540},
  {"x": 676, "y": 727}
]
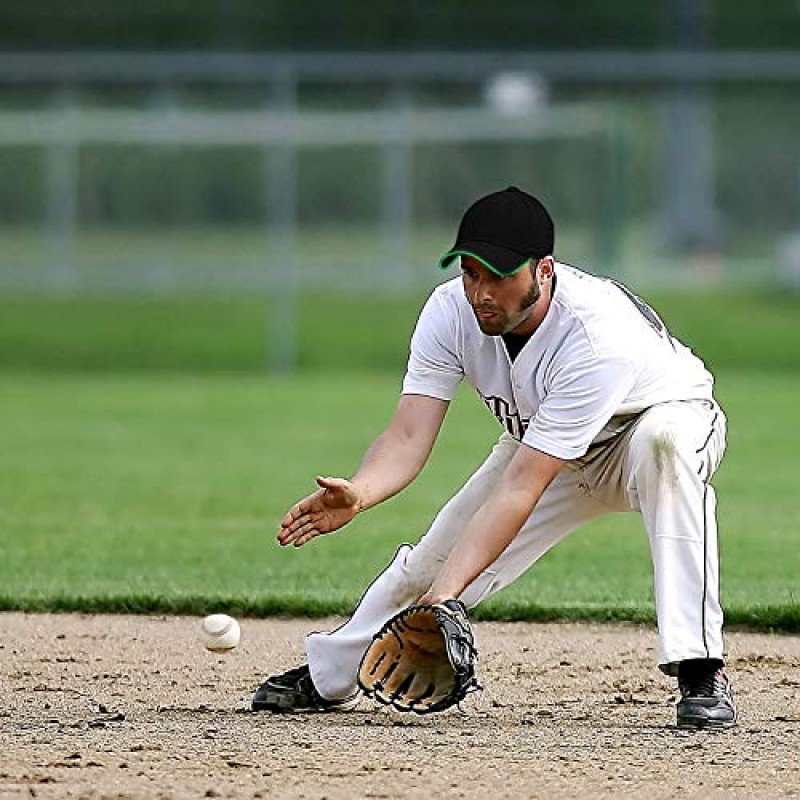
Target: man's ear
[{"x": 545, "y": 268}]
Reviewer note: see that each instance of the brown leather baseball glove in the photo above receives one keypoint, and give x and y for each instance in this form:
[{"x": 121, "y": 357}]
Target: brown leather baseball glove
[{"x": 422, "y": 659}]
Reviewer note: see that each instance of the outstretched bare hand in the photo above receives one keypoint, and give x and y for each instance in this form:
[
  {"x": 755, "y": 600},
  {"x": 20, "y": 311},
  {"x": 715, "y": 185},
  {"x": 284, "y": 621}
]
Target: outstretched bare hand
[{"x": 332, "y": 506}]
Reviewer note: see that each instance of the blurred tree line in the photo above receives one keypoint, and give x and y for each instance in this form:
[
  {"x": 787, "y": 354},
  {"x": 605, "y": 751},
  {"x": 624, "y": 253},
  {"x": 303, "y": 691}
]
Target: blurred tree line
[{"x": 284, "y": 25}]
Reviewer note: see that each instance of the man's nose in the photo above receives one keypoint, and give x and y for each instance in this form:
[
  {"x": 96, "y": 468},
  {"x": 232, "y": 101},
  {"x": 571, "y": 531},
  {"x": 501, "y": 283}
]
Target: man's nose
[{"x": 483, "y": 291}]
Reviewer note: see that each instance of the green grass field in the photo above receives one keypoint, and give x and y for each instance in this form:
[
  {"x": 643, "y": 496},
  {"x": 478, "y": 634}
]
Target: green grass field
[
  {"x": 160, "y": 492},
  {"x": 732, "y": 330}
]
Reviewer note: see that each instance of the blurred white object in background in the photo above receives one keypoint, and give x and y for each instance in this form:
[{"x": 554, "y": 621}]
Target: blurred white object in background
[
  {"x": 789, "y": 256},
  {"x": 516, "y": 93}
]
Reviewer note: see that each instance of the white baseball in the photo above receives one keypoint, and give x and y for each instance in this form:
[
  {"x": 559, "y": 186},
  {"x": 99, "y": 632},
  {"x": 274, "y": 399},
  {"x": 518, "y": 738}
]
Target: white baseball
[{"x": 221, "y": 633}]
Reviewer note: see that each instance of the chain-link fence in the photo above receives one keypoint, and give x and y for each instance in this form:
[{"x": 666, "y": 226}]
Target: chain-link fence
[{"x": 150, "y": 174}]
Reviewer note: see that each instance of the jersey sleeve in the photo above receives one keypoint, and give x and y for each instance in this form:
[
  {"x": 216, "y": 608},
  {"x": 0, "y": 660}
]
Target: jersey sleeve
[
  {"x": 434, "y": 366},
  {"x": 583, "y": 396}
]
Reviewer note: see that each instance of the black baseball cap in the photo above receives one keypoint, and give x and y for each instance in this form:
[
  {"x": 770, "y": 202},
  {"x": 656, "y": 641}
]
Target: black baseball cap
[{"x": 504, "y": 231}]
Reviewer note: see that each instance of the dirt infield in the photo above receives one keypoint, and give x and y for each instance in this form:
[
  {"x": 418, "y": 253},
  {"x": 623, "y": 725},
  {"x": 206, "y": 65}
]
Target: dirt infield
[{"x": 119, "y": 707}]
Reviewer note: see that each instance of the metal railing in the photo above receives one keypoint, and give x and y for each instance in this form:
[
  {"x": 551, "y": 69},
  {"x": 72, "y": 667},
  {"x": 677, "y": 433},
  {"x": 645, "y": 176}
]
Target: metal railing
[
  {"x": 664, "y": 67},
  {"x": 281, "y": 136}
]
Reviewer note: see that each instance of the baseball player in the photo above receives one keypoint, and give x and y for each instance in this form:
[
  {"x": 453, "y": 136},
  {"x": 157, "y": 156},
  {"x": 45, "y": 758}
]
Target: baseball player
[{"x": 602, "y": 410}]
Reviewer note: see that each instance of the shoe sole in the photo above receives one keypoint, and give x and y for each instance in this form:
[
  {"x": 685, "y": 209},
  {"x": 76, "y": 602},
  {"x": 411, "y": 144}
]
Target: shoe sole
[
  {"x": 698, "y": 723},
  {"x": 280, "y": 703}
]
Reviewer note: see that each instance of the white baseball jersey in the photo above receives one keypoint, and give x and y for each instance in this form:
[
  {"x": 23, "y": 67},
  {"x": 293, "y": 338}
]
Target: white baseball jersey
[{"x": 600, "y": 354}]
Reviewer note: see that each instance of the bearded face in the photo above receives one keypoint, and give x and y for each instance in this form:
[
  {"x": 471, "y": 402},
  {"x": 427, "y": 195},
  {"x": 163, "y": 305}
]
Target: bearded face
[{"x": 501, "y": 304}]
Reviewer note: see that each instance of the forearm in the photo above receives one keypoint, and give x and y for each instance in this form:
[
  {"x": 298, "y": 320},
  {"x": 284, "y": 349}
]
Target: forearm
[
  {"x": 486, "y": 536},
  {"x": 497, "y": 522},
  {"x": 398, "y": 455},
  {"x": 389, "y": 465}
]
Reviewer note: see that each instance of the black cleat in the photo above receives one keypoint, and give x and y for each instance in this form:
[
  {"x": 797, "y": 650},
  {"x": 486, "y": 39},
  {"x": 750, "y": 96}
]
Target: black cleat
[
  {"x": 295, "y": 691},
  {"x": 706, "y": 697}
]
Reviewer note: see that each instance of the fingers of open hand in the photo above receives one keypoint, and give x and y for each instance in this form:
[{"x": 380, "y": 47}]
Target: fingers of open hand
[
  {"x": 322, "y": 512},
  {"x": 301, "y": 530}
]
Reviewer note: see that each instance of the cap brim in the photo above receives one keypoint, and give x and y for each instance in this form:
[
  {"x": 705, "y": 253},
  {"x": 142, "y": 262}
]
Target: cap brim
[{"x": 500, "y": 260}]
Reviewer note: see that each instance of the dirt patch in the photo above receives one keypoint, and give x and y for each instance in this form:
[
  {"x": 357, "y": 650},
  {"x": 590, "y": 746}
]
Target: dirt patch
[{"x": 117, "y": 707}]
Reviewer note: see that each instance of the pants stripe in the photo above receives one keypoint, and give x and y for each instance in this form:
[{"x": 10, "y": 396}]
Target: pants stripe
[{"x": 705, "y": 565}]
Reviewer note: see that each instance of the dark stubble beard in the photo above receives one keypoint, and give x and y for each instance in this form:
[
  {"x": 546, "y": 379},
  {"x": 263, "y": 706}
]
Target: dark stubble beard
[{"x": 505, "y": 325}]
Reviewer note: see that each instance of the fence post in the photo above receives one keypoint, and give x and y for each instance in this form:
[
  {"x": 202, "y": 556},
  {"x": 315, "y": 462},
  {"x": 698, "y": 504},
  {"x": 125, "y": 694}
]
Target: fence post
[
  {"x": 281, "y": 288},
  {"x": 398, "y": 187},
  {"x": 62, "y": 194}
]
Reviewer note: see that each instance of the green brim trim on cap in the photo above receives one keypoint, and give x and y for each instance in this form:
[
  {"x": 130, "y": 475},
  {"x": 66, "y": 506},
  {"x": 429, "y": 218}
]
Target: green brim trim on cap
[{"x": 447, "y": 259}]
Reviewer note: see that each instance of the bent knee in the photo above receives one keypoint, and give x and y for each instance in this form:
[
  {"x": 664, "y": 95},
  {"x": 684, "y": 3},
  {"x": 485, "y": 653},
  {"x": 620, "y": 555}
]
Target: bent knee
[
  {"x": 661, "y": 449},
  {"x": 414, "y": 569}
]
